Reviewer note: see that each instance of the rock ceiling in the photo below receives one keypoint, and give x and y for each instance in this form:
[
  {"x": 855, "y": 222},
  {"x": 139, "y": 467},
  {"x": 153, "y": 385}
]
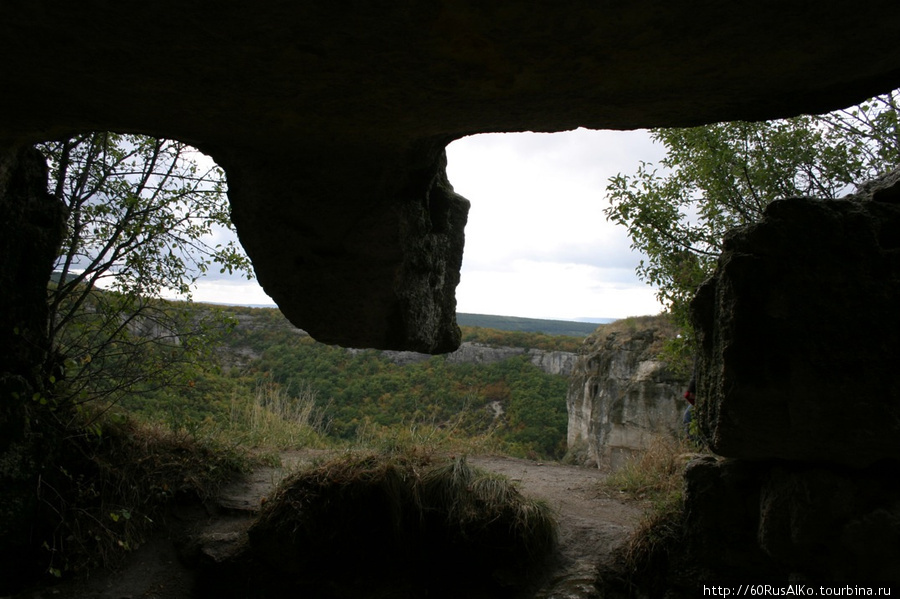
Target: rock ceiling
[{"x": 330, "y": 118}]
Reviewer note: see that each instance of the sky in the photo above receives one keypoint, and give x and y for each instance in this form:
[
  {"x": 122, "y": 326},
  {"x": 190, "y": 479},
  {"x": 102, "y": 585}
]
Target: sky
[{"x": 537, "y": 242}]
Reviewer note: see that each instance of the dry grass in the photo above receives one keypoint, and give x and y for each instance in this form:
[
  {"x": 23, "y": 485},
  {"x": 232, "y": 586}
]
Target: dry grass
[
  {"x": 275, "y": 419},
  {"x": 655, "y": 473},
  {"x": 427, "y": 439},
  {"x": 655, "y": 477},
  {"x": 384, "y": 521},
  {"x": 115, "y": 484}
]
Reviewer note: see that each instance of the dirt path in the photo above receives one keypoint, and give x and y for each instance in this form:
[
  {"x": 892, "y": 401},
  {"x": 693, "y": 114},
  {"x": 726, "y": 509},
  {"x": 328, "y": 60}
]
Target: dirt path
[{"x": 592, "y": 524}]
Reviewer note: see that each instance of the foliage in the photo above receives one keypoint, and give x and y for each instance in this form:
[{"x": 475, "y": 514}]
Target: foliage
[
  {"x": 523, "y": 407},
  {"x": 141, "y": 214},
  {"x": 721, "y": 176},
  {"x": 553, "y": 328},
  {"x": 526, "y": 339},
  {"x": 356, "y": 395}
]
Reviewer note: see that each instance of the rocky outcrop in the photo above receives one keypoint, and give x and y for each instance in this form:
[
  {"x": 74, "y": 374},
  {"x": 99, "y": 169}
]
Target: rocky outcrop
[
  {"x": 331, "y": 120},
  {"x": 799, "y": 333},
  {"x": 32, "y": 229},
  {"x": 798, "y": 336},
  {"x": 621, "y": 395},
  {"x": 551, "y": 362}
]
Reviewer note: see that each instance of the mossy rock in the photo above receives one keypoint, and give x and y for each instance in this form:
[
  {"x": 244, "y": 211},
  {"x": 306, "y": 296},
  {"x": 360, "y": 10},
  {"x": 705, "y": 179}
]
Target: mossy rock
[{"x": 401, "y": 526}]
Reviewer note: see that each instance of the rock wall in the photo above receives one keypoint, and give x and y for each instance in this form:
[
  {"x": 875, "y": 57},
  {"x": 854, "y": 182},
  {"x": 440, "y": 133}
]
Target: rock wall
[
  {"x": 31, "y": 231},
  {"x": 621, "y": 395},
  {"x": 551, "y": 362},
  {"x": 799, "y": 335}
]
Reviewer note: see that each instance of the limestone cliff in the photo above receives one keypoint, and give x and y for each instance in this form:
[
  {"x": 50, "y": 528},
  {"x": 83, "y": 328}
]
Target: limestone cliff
[
  {"x": 620, "y": 393},
  {"x": 551, "y": 362}
]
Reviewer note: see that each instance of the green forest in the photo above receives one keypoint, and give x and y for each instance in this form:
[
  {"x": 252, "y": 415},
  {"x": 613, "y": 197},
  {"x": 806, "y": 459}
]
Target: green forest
[{"x": 269, "y": 384}]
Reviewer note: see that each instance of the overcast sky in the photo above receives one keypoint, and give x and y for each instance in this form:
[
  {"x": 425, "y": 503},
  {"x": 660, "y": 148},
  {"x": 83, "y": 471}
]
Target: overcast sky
[{"x": 537, "y": 242}]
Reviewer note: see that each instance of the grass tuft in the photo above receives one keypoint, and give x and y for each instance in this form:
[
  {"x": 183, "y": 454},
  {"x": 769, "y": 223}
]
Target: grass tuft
[
  {"x": 427, "y": 439},
  {"x": 276, "y": 419},
  {"x": 405, "y": 520},
  {"x": 114, "y": 486},
  {"x": 654, "y": 476},
  {"x": 655, "y": 473}
]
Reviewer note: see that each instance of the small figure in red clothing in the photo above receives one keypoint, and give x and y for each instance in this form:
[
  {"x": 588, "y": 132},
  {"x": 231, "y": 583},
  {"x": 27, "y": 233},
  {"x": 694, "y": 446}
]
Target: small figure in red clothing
[{"x": 691, "y": 396}]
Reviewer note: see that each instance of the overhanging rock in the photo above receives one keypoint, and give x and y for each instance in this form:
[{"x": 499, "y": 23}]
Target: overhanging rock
[{"x": 331, "y": 118}]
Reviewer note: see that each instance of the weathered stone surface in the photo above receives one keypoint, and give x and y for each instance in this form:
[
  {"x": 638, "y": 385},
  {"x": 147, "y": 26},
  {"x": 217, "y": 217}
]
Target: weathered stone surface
[
  {"x": 551, "y": 362},
  {"x": 378, "y": 255},
  {"x": 721, "y": 522},
  {"x": 832, "y": 523},
  {"x": 621, "y": 395},
  {"x": 799, "y": 332},
  {"x": 331, "y": 118},
  {"x": 31, "y": 230},
  {"x": 790, "y": 522}
]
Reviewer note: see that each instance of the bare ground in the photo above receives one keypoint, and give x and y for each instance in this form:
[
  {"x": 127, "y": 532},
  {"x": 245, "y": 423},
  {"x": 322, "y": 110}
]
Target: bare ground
[{"x": 592, "y": 523}]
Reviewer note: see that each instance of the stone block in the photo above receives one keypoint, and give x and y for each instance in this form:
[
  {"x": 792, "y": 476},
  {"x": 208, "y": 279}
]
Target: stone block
[
  {"x": 799, "y": 333},
  {"x": 832, "y": 524}
]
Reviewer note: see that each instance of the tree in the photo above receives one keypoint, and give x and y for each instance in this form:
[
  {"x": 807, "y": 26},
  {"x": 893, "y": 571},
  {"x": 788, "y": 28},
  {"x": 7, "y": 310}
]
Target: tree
[
  {"x": 141, "y": 216},
  {"x": 721, "y": 176}
]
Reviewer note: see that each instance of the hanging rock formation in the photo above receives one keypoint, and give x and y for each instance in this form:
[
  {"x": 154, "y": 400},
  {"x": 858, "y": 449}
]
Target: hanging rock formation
[
  {"x": 330, "y": 119},
  {"x": 621, "y": 395}
]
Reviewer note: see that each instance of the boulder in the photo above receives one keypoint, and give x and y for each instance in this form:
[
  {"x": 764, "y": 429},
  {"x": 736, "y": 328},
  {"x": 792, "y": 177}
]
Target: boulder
[
  {"x": 721, "y": 522},
  {"x": 798, "y": 335}
]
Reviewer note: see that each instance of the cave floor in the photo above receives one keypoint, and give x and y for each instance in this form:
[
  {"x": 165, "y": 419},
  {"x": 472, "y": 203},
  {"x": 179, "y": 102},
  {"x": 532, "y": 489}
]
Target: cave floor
[{"x": 592, "y": 524}]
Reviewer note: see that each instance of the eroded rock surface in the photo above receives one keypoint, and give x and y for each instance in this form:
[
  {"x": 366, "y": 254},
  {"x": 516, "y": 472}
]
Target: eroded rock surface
[
  {"x": 621, "y": 395},
  {"x": 799, "y": 335},
  {"x": 331, "y": 118}
]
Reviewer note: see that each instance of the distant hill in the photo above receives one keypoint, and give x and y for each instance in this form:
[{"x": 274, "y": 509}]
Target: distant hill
[
  {"x": 568, "y": 328},
  {"x": 528, "y": 325}
]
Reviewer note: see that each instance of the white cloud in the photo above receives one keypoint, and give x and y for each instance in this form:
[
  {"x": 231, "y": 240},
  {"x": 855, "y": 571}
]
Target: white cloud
[
  {"x": 240, "y": 292},
  {"x": 537, "y": 242}
]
